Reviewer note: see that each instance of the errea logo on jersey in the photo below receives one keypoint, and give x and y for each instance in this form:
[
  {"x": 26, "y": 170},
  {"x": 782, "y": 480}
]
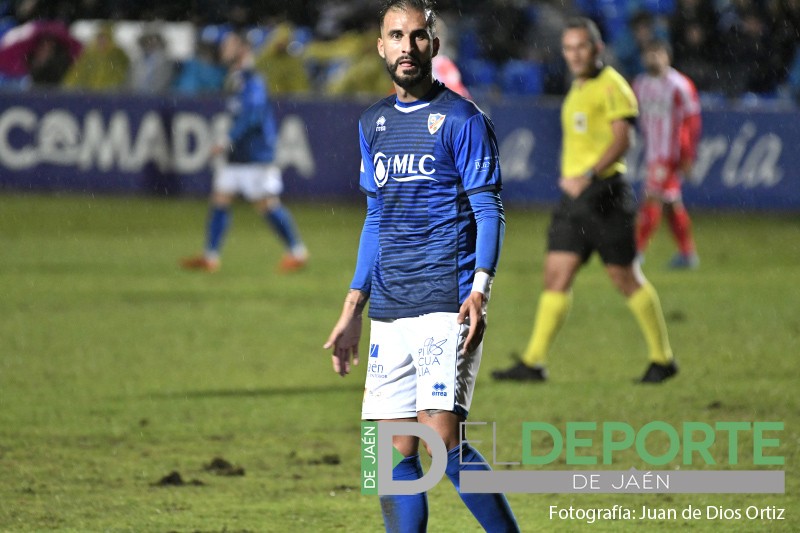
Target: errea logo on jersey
[
  {"x": 380, "y": 124},
  {"x": 439, "y": 389},
  {"x": 399, "y": 167}
]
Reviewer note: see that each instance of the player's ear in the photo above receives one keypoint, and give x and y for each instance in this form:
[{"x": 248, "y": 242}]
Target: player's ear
[
  {"x": 435, "y": 46},
  {"x": 380, "y": 48},
  {"x": 600, "y": 47}
]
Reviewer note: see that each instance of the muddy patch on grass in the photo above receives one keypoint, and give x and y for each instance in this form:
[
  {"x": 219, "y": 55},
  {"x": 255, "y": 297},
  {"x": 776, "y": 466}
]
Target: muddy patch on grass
[
  {"x": 222, "y": 467},
  {"x": 174, "y": 479}
]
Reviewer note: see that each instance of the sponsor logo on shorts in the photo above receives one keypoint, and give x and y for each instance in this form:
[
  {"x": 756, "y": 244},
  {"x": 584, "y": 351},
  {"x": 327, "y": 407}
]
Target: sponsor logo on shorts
[
  {"x": 376, "y": 371},
  {"x": 439, "y": 389}
]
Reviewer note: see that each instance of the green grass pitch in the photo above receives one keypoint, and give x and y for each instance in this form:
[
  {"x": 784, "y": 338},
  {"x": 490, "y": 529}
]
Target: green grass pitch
[{"x": 117, "y": 368}]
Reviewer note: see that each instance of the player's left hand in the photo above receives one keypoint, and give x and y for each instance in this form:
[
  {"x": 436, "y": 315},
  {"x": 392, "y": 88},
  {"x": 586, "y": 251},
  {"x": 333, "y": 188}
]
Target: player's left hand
[{"x": 473, "y": 313}]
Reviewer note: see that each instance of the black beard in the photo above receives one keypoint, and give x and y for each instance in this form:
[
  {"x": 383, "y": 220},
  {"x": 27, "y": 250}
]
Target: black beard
[{"x": 407, "y": 82}]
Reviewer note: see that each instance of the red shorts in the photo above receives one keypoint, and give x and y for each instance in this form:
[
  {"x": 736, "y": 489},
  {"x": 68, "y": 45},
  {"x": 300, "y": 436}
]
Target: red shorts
[{"x": 663, "y": 181}]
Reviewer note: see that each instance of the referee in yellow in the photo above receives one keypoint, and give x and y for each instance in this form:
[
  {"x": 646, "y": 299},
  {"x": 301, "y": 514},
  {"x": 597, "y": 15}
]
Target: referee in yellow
[{"x": 597, "y": 209}]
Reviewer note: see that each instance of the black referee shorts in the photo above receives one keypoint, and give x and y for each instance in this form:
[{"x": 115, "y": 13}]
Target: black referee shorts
[{"x": 602, "y": 218}]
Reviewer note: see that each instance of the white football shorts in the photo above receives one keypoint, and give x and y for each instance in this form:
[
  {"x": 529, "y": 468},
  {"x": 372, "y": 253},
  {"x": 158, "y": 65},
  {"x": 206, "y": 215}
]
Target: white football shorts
[
  {"x": 414, "y": 365},
  {"x": 253, "y": 181}
]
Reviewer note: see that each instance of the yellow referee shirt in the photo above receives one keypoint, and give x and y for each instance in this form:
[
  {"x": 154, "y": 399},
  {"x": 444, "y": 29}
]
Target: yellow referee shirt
[{"x": 586, "y": 117}]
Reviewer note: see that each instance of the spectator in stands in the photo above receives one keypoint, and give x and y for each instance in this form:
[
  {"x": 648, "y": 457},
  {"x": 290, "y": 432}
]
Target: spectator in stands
[
  {"x": 365, "y": 73},
  {"x": 694, "y": 43},
  {"x": 202, "y": 73},
  {"x": 784, "y": 22},
  {"x": 49, "y": 62},
  {"x": 628, "y": 46},
  {"x": 336, "y": 64},
  {"x": 152, "y": 71},
  {"x": 102, "y": 66},
  {"x": 748, "y": 51},
  {"x": 503, "y": 25},
  {"x": 281, "y": 63}
]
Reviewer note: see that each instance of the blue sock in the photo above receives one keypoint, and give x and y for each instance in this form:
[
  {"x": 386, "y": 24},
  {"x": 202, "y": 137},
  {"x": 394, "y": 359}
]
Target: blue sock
[
  {"x": 491, "y": 510},
  {"x": 218, "y": 222},
  {"x": 406, "y": 513},
  {"x": 281, "y": 221}
]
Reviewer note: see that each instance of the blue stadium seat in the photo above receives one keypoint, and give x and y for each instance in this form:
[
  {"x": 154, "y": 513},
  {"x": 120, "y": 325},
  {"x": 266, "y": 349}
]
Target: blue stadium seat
[
  {"x": 525, "y": 78},
  {"x": 469, "y": 45},
  {"x": 479, "y": 73}
]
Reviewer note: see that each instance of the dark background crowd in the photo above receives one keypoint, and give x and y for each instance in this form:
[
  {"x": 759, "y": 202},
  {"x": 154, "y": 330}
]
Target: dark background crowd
[{"x": 730, "y": 48}]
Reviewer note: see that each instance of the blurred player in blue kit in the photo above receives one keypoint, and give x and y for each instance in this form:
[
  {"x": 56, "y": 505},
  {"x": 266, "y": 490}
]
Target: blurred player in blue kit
[
  {"x": 249, "y": 168},
  {"x": 426, "y": 260}
]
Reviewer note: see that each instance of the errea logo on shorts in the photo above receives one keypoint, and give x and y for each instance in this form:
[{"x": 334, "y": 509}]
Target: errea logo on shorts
[{"x": 439, "y": 389}]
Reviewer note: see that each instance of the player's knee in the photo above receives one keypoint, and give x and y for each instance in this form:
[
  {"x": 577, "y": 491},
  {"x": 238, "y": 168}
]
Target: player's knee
[
  {"x": 406, "y": 445},
  {"x": 557, "y": 280},
  {"x": 270, "y": 203},
  {"x": 219, "y": 199},
  {"x": 624, "y": 278}
]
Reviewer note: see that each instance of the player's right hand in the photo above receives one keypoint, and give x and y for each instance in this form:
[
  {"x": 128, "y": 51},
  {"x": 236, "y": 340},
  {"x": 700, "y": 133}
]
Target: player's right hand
[
  {"x": 573, "y": 186},
  {"x": 344, "y": 339}
]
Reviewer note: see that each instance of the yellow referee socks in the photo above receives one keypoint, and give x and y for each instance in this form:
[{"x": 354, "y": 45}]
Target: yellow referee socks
[
  {"x": 550, "y": 315},
  {"x": 646, "y": 308}
]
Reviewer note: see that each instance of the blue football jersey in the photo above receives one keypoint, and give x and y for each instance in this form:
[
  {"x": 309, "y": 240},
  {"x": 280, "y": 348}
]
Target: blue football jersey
[
  {"x": 421, "y": 161},
  {"x": 253, "y": 134}
]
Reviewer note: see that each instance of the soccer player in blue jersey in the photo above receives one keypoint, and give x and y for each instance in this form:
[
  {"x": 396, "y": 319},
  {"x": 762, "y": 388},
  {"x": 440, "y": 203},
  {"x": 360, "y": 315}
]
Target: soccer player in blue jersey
[
  {"x": 427, "y": 256},
  {"x": 250, "y": 169}
]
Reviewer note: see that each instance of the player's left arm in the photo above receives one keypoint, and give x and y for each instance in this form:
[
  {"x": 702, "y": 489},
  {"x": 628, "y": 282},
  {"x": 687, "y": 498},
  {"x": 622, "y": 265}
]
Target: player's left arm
[
  {"x": 477, "y": 158},
  {"x": 691, "y": 125}
]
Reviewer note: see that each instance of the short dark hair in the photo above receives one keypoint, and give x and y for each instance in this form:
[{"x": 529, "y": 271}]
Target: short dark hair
[
  {"x": 584, "y": 23},
  {"x": 427, "y": 7}
]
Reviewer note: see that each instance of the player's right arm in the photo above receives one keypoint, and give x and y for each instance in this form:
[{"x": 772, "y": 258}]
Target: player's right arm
[{"x": 346, "y": 334}]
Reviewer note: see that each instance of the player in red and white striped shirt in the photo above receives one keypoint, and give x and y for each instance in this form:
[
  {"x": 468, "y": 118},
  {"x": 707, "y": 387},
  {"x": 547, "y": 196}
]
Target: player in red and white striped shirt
[{"x": 669, "y": 119}]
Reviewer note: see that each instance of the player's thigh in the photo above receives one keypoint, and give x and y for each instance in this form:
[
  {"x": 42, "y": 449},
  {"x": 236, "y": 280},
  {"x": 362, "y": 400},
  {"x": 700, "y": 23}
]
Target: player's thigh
[
  {"x": 570, "y": 229},
  {"x": 662, "y": 182},
  {"x": 445, "y": 377},
  {"x": 263, "y": 180},
  {"x": 616, "y": 228},
  {"x": 390, "y": 386},
  {"x": 671, "y": 191},
  {"x": 228, "y": 179}
]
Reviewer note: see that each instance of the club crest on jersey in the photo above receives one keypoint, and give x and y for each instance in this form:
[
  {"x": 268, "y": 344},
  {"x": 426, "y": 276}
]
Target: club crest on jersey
[
  {"x": 435, "y": 121},
  {"x": 380, "y": 124}
]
